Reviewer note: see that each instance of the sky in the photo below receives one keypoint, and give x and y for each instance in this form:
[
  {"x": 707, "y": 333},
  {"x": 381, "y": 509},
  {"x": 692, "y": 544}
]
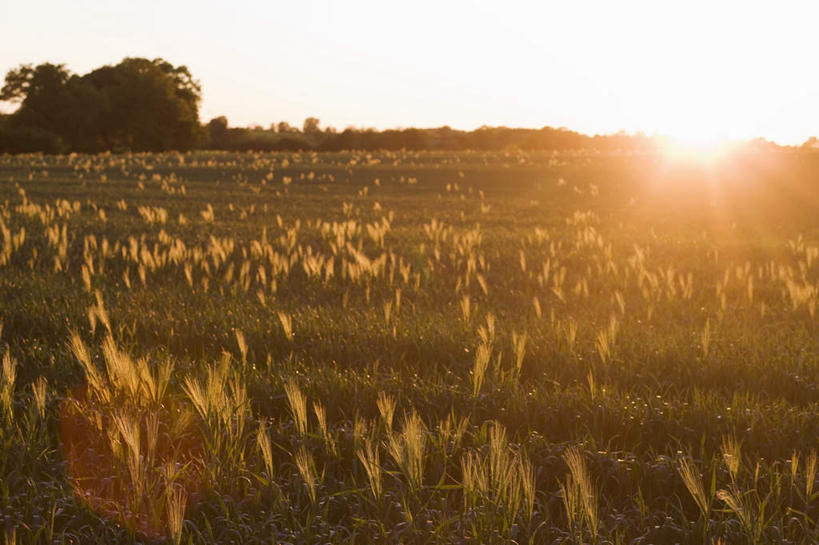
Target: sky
[{"x": 698, "y": 70}]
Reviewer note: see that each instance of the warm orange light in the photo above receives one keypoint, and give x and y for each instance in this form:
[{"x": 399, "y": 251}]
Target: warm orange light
[{"x": 701, "y": 149}]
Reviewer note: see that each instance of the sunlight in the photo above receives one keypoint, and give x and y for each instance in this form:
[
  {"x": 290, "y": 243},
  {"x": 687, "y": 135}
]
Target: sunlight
[{"x": 701, "y": 149}]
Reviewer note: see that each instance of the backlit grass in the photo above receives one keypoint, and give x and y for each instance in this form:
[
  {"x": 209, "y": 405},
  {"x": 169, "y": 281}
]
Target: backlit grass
[{"x": 408, "y": 347}]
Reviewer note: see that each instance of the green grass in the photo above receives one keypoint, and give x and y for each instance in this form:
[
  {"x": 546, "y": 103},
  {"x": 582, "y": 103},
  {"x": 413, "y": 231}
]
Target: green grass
[{"x": 408, "y": 348}]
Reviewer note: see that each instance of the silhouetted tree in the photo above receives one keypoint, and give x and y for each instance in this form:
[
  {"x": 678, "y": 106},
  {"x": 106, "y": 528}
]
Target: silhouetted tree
[
  {"x": 152, "y": 105},
  {"x": 34, "y": 86},
  {"x": 218, "y": 132},
  {"x": 285, "y": 127},
  {"x": 41, "y": 92},
  {"x": 138, "y": 104},
  {"x": 311, "y": 126}
]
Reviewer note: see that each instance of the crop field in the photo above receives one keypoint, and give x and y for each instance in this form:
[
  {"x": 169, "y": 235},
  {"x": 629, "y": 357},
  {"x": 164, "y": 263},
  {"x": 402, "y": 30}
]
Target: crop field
[{"x": 409, "y": 348}]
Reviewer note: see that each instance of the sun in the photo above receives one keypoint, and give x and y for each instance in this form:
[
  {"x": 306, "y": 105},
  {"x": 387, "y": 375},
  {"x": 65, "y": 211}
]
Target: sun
[{"x": 701, "y": 148}]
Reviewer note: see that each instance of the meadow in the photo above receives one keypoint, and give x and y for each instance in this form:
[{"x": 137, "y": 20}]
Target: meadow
[{"x": 409, "y": 347}]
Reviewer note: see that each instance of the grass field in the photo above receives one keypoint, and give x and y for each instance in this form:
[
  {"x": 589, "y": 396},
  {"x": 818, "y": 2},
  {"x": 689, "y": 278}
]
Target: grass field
[{"x": 409, "y": 348}]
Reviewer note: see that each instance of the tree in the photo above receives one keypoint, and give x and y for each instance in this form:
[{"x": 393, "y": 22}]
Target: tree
[
  {"x": 41, "y": 93},
  {"x": 30, "y": 83},
  {"x": 218, "y": 132},
  {"x": 285, "y": 127},
  {"x": 138, "y": 104},
  {"x": 153, "y": 105},
  {"x": 311, "y": 126}
]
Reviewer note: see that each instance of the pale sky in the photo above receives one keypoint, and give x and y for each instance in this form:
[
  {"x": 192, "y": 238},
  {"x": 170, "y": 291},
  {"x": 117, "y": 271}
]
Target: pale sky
[{"x": 693, "y": 69}]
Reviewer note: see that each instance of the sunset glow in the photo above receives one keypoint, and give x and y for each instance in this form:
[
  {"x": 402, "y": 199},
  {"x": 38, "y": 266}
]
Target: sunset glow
[
  {"x": 692, "y": 70},
  {"x": 703, "y": 150}
]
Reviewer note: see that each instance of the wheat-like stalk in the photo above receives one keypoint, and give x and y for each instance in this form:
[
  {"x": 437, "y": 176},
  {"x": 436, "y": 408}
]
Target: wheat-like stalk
[
  {"x": 321, "y": 416},
  {"x": 287, "y": 325},
  {"x": 519, "y": 349},
  {"x": 731, "y": 455},
  {"x": 263, "y": 442},
  {"x": 408, "y": 450},
  {"x": 369, "y": 457},
  {"x": 176, "y": 499},
  {"x": 733, "y": 498},
  {"x": 480, "y": 365},
  {"x": 526, "y": 476},
  {"x": 7, "y": 381},
  {"x": 307, "y": 469},
  {"x": 39, "y": 390},
  {"x": 705, "y": 338},
  {"x": 810, "y": 473},
  {"x": 386, "y": 408},
  {"x": 693, "y": 483},
  {"x": 298, "y": 405},
  {"x": 242, "y": 345},
  {"x": 585, "y": 489}
]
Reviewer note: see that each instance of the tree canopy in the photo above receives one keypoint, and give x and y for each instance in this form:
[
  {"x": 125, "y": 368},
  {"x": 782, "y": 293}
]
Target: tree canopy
[{"x": 138, "y": 104}]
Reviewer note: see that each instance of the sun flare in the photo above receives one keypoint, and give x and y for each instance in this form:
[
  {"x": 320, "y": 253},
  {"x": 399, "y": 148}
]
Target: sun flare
[{"x": 697, "y": 148}]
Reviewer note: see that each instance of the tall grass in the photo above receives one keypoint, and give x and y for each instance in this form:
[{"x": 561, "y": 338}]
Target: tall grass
[{"x": 524, "y": 357}]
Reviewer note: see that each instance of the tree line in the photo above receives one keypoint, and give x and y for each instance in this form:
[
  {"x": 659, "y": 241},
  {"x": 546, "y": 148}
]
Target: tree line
[
  {"x": 138, "y": 104},
  {"x": 147, "y": 105},
  {"x": 283, "y": 136}
]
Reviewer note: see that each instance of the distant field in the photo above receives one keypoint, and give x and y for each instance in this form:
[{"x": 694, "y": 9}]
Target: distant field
[{"x": 409, "y": 348}]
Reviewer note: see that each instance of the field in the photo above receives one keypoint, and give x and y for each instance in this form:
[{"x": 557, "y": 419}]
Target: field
[{"x": 409, "y": 348}]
